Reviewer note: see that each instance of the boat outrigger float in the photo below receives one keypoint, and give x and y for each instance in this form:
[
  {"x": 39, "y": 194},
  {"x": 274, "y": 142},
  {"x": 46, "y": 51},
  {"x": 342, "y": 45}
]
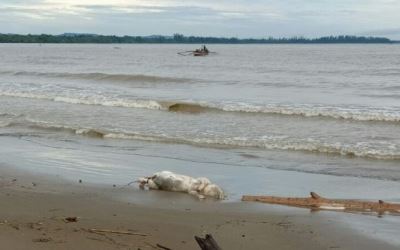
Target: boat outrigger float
[{"x": 203, "y": 51}]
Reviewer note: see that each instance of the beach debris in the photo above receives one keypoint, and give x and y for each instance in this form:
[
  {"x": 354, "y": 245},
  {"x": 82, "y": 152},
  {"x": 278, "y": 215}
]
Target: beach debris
[
  {"x": 35, "y": 225},
  {"x": 316, "y": 202},
  {"x": 94, "y": 230},
  {"x": 71, "y": 219},
  {"x": 4, "y": 183},
  {"x": 207, "y": 243},
  {"x": 163, "y": 247},
  {"x": 10, "y": 224},
  {"x": 169, "y": 181},
  {"x": 42, "y": 240},
  {"x": 80, "y": 181},
  {"x": 15, "y": 226}
]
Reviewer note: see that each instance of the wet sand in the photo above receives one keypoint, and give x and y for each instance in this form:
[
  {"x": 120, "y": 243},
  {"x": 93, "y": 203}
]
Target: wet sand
[{"x": 33, "y": 211}]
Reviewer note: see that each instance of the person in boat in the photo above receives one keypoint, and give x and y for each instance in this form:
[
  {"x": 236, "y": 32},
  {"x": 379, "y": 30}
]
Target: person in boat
[{"x": 202, "y": 50}]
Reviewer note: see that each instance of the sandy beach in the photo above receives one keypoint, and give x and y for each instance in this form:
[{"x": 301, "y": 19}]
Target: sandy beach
[{"x": 34, "y": 208}]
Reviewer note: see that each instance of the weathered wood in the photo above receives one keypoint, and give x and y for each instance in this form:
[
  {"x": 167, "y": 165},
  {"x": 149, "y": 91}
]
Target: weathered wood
[
  {"x": 94, "y": 230},
  {"x": 207, "y": 243},
  {"x": 318, "y": 202}
]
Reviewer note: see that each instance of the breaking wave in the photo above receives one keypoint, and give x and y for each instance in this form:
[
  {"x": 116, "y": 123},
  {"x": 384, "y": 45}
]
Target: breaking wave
[
  {"x": 6, "y": 119},
  {"x": 304, "y": 110},
  {"x": 4, "y": 124},
  {"x": 89, "y": 100},
  {"x": 9, "y": 114},
  {"x": 358, "y": 114},
  {"x": 360, "y": 149}
]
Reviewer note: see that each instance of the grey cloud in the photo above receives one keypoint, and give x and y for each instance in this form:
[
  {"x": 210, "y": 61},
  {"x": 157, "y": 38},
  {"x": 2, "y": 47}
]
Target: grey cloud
[
  {"x": 258, "y": 18},
  {"x": 383, "y": 32}
]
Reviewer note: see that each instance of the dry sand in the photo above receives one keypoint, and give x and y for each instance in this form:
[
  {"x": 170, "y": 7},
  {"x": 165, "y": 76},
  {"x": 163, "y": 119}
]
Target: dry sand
[{"x": 33, "y": 209}]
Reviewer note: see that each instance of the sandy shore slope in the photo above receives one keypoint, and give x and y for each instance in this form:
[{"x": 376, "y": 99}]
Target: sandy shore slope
[{"x": 33, "y": 209}]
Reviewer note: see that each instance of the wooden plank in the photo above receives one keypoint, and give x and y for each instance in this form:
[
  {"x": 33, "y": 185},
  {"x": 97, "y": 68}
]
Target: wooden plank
[{"x": 317, "y": 202}]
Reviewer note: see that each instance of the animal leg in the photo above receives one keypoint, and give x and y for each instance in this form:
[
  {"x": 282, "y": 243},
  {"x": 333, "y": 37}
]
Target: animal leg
[{"x": 195, "y": 193}]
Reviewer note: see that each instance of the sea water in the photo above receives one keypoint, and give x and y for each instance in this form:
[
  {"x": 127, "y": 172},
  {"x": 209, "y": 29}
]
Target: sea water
[{"x": 320, "y": 110}]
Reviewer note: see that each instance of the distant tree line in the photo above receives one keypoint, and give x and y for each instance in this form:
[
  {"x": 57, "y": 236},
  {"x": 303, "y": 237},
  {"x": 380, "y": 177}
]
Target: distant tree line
[{"x": 179, "y": 38}]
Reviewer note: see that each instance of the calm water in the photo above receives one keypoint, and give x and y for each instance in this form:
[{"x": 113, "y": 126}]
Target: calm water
[{"x": 330, "y": 109}]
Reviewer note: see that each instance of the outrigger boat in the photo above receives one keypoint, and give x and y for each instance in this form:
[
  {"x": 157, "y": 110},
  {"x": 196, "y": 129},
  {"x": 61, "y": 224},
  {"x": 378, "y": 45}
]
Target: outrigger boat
[
  {"x": 203, "y": 51},
  {"x": 200, "y": 53}
]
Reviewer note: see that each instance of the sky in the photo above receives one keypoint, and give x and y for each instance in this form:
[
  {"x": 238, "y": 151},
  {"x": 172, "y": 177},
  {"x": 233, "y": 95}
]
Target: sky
[{"x": 228, "y": 18}]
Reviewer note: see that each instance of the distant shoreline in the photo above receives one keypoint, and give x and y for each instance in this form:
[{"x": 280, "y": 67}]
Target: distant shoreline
[{"x": 71, "y": 38}]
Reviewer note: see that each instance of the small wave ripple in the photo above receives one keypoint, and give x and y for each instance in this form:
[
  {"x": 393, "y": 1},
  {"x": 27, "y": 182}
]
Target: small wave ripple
[
  {"x": 96, "y": 76},
  {"x": 383, "y": 151}
]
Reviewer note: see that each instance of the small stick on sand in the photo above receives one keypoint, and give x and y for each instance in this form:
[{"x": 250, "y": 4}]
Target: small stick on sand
[
  {"x": 317, "y": 202},
  {"x": 94, "y": 230},
  {"x": 163, "y": 247}
]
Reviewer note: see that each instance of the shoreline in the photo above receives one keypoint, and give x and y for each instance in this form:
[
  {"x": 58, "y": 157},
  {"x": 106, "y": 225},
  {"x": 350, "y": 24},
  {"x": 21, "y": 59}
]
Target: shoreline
[{"x": 34, "y": 206}]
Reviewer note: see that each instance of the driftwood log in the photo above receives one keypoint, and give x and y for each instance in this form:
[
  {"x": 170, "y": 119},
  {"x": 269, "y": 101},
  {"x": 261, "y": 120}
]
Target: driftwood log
[
  {"x": 207, "y": 243},
  {"x": 317, "y": 202}
]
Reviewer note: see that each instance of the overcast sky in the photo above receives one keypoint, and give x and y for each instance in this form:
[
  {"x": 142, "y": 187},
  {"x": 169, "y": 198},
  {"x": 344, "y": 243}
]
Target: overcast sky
[{"x": 242, "y": 18}]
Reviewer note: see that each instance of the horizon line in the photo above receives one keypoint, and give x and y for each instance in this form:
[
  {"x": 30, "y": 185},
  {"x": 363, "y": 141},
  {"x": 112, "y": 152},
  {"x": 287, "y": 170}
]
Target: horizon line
[
  {"x": 177, "y": 38},
  {"x": 202, "y": 36}
]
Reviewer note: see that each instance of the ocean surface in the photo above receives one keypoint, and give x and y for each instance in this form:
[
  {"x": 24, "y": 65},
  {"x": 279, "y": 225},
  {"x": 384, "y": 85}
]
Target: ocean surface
[{"x": 320, "y": 109}]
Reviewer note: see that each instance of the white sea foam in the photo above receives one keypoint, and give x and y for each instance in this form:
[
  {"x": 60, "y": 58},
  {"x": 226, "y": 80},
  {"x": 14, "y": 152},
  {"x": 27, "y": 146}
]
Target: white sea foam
[
  {"x": 357, "y": 113},
  {"x": 330, "y": 207},
  {"x": 89, "y": 100},
  {"x": 390, "y": 152},
  {"x": 4, "y": 124}
]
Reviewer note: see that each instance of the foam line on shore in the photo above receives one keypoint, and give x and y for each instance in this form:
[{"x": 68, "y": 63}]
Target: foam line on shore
[{"x": 363, "y": 150}]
